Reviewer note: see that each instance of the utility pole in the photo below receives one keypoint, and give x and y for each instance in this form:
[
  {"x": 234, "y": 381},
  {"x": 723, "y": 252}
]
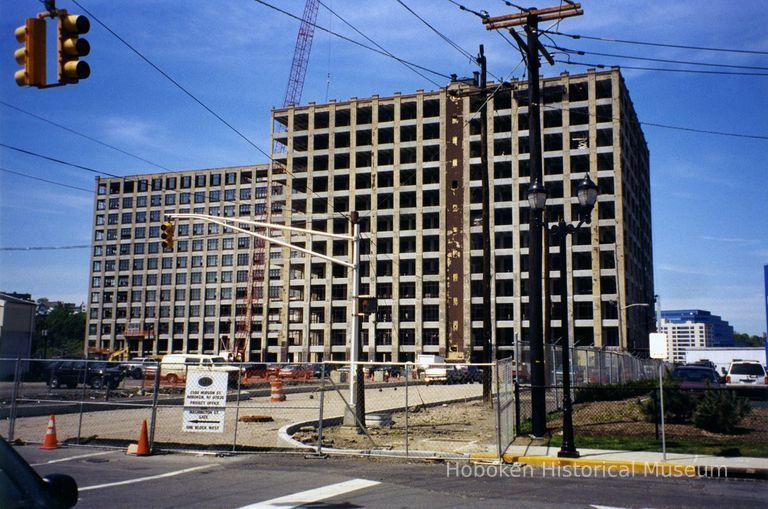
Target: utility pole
[
  {"x": 486, "y": 207},
  {"x": 530, "y": 19}
]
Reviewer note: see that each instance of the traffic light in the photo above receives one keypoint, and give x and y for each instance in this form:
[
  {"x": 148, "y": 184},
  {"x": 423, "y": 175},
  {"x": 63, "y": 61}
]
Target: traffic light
[
  {"x": 72, "y": 47},
  {"x": 367, "y": 305},
  {"x": 167, "y": 235},
  {"x": 32, "y": 55}
]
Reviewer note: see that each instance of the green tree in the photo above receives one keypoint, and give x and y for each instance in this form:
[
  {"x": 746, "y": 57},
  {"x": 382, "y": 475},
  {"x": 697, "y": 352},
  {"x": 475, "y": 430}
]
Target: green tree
[
  {"x": 741, "y": 338},
  {"x": 65, "y": 333}
]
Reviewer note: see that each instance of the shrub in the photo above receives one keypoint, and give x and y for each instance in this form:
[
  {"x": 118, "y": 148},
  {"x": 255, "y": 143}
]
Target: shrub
[
  {"x": 678, "y": 405},
  {"x": 613, "y": 392},
  {"x": 720, "y": 411}
]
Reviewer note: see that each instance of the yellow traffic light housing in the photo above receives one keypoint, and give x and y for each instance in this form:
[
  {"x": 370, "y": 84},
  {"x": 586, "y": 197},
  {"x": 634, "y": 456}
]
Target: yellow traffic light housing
[
  {"x": 72, "y": 47},
  {"x": 167, "y": 229},
  {"x": 368, "y": 304},
  {"x": 32, "y": 55}
]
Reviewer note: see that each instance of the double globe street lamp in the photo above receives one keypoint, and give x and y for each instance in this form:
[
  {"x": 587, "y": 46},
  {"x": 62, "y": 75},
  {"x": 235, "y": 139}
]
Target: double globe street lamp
[{"x": 586, "y": 191}]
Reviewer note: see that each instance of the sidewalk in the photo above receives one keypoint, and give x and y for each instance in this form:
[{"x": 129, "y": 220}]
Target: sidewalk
[{"x": 643, "y": 462}]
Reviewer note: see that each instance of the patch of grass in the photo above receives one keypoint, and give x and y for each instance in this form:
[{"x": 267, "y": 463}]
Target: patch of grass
[{"x": 678, "y": 446}]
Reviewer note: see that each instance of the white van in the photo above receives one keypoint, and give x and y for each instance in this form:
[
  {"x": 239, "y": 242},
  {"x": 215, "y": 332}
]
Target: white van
[{"x": 174, "y": 367}]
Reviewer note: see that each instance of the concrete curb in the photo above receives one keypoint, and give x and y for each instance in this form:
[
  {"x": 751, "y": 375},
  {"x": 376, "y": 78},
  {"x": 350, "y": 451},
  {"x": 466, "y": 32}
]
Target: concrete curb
[{"x": 646, "y": 468}]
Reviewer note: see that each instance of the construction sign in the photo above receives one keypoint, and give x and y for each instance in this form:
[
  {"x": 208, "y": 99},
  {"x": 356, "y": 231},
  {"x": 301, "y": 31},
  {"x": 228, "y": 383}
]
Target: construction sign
[{"x": 205, "y": 400}]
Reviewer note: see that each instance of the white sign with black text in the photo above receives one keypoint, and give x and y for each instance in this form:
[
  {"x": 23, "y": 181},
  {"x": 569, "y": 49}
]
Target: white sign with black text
[{"x": 205, "y": 400}]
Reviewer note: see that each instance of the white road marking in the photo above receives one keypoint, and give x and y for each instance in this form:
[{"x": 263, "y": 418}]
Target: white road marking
[
  {"x": 608, "y": 507},
  {"x": 315, "y": 495},
  {"x": 72, "y": 458},
  {"x": 142, "y": 479}
]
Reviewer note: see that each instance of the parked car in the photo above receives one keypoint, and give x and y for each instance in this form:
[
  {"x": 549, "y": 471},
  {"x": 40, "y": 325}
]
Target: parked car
[
  {"x": 446, "y": 374},
  {"x": 296, "y": 372},
  {"x": 695, "y": 377},
  {"x": 746, "y": 373},
  {"x": 174, "y": 367},
  {"x": 474, "y": 374},
  {"x": 20, "y": 486},
  {"x": 254, "y": 369},
  {"x": 137, "y": 367},
  {"x": 98, "y": 374}
]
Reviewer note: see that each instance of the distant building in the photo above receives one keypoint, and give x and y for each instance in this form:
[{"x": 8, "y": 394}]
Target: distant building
[
  {"x": 721, "y": 331},
  {"x": 17, "y": 322},
  {"x": 684, "y": 336},
  {"x": 45, "y": 306}
]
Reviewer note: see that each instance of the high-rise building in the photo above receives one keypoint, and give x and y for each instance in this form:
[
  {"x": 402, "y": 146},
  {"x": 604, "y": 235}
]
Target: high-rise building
[
  {"x": 410, "y": 165},
  {"x": 720, "y": 333},
  {"x": 683, "y": 336}
]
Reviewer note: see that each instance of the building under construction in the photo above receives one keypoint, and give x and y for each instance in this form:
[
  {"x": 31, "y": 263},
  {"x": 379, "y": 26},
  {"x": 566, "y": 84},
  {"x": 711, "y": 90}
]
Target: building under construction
[{"x": 410, "y": 165}]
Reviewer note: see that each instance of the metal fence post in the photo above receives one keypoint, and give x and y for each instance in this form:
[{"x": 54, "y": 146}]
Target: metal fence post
[
  {"x": 407, "y": 429},
  {"x": 237, "y": 409},
  {"x": 14, "y": 397},
  {"x": 517, "y": 407},
  {"x": 661, "y": 406},
  {"x": 153, "y": 415},
  {"x": 82, "y": 402},
  {"x": 498, "y": 411},
  {"x": 321, "y": 411}
]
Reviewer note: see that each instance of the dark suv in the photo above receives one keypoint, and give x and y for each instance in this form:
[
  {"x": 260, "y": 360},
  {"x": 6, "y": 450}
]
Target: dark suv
[{"x": 96, "y": 375}]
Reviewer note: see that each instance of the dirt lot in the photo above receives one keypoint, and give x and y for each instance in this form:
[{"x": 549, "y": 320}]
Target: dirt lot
[
  {"x": 458, "y": 428},
  {"x": 471, "y": 427}
]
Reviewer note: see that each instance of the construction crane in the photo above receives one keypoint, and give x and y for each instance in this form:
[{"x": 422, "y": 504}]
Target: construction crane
[
  {"x": 238, "y": 348},
  {"x": 299, "y": 65}
]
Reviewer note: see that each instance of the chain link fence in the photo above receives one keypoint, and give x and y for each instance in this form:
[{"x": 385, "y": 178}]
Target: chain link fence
[{"x": 411, "y": 409}]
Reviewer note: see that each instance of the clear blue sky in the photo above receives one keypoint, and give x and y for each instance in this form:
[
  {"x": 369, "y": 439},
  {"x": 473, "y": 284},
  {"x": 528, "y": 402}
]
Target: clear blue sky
[{"x": 710, "y": 193}]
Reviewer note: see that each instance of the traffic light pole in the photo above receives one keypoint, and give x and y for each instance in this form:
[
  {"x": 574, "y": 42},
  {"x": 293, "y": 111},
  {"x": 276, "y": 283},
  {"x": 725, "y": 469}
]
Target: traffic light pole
[{"x": 356, "y": 380}]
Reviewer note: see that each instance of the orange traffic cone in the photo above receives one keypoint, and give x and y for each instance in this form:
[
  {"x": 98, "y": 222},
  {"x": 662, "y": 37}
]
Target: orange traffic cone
[
  {"x": 143, "y": 448},
  {"x": 49, "y": 440}
]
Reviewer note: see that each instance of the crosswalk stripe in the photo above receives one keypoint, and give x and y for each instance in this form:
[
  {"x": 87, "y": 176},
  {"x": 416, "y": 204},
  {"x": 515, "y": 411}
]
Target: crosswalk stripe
[{"x": 314, "y": 495}]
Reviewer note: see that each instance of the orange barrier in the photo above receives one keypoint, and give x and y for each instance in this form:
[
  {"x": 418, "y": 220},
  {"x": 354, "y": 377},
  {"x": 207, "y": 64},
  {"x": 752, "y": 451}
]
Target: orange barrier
[
  {"x": 49, "y": 440},
  {"x": 276, "y": 391}
]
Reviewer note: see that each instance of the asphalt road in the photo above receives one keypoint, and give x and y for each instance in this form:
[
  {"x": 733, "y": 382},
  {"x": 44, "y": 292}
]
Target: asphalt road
[{"x": 108, "y": 478}]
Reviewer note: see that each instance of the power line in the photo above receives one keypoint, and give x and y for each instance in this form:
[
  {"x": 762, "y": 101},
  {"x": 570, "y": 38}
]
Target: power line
[
  {"x": 169, "y": 78},
  {"x": 658, "y": 44},
  {"x": 650, "y": 59},
  {"x": 661, "y": 69},
  {"x": 357, "y": 43},
  {"x": 198, "y": 101},
  {"x": 440, "y": 34},
  {"x": 38, "y": 117},
  {"x": 379, "y": 46},
  {"x": 35, "y": 154},
  {"x": 44, "y": 248},
  {"x": 46, "y": 180}
]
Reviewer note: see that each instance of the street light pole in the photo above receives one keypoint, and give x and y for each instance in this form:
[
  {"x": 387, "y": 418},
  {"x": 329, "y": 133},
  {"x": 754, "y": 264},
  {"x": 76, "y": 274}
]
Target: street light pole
[{"x": 587, "y": 195}]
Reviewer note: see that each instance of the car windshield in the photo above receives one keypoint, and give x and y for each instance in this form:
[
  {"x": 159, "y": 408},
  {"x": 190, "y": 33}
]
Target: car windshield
[{"x": 747, "y": 369}]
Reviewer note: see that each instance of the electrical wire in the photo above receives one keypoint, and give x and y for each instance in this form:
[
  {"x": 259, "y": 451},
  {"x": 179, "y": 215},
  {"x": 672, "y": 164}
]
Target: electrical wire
[
  {"x": 661, "y": 69},
  {"x": 6, "y": 170},
  {"x": 409, "y": 66},
  {"x": 357, "y": 43},
  {"x": 169, "y": 78},
  {"x": 198, "y": 101},
  {"x": 44, "y": 248},
  {"x": 38, "y": 117},
  {"x": 650, "y": 59},
  {"x": 35, "y": 154},
  {"x": 440, "y": 34},
  {"x": 658, "y": 44}
]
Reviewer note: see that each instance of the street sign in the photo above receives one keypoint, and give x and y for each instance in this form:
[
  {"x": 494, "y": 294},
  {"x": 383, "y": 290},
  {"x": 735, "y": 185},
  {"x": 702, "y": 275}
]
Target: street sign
[
  {"x": 658, "y": 345},
  {"x": 205, "y": 400},
  {"x": 204, "y": 420}
]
